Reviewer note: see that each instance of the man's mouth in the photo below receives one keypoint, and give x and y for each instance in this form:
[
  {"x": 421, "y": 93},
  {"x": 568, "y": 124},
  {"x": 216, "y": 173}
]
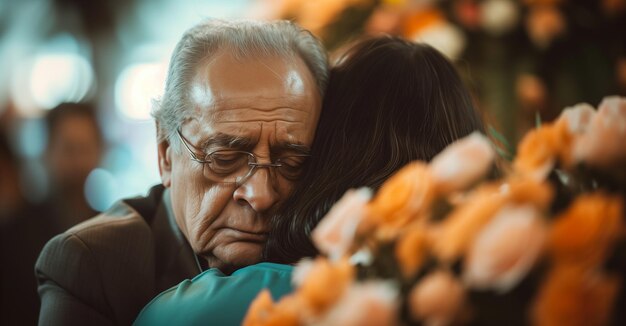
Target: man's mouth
[{"x": 246, "y": 235}]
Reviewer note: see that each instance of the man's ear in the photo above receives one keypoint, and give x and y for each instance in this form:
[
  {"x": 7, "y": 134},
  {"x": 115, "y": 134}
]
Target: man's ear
[{"x": 165, "y": 162}]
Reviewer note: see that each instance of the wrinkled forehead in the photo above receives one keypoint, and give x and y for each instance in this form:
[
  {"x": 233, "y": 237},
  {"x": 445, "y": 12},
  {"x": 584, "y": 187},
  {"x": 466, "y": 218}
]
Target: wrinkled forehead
[
  {"x": 224, "y": 77},
  {"x": 277, "y": 124},
  {"x": 244, "y": 96}
]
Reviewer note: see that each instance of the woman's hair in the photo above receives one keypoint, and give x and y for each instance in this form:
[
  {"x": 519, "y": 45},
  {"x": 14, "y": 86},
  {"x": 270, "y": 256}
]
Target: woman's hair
[{"x": 389, "y": 102}]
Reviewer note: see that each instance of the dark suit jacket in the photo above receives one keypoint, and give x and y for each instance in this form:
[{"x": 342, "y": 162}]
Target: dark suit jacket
[{"x": 104, "y": 270}]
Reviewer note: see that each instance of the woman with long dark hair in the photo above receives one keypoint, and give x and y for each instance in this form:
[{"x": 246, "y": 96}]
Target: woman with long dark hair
[{"x": 389, "y": 102}]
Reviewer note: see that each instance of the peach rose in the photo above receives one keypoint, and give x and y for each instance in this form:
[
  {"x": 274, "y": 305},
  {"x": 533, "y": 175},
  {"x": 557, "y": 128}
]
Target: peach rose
[
  {"x": 603, "y": 143},
  {"x": 301, "y": 271},
  {"x": 462, "y": 163},
  {"x": 437, "y": 299},
  {"x": 573, "y": 123},
  {"x": 506, "y": 249},
  {"x": 402, "y": 199},
  {"x": 410, "y": 250},
  {"x": 264, "y": 312},
  {"x": 334, "y": 234},
  {"x": 325, "y": 284},
  {"x": 574, "y": 296},
  {"x": 458, "y": 230},
  {"x": 587, "y": 229},
  {"x": 371, "y": 303},
  {"x": 577, "y": 117}
]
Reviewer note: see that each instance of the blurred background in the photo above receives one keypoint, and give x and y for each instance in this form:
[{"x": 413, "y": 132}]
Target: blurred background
[
  {"x": 521, "y": 58},
  {"x": 61, "y": 162}
]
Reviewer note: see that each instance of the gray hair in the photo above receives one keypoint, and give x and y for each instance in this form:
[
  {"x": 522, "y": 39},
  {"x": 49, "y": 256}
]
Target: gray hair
[{"x": 245, "y": 39}]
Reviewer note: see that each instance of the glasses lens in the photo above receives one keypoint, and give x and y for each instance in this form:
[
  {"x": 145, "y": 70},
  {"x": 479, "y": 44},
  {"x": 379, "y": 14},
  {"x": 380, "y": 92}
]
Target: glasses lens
[
  {"x": 227, "y": 166},
  {"x": 291, "y": 167}
]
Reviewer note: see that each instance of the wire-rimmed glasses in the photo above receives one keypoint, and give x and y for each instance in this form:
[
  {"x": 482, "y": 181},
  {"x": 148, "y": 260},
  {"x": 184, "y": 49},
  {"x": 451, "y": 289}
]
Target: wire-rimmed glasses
[{"x": 235, "y": 166}]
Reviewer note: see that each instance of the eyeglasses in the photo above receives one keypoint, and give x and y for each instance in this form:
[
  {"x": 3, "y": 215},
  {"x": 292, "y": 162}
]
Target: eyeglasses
[{"x": 232, "y": 166}]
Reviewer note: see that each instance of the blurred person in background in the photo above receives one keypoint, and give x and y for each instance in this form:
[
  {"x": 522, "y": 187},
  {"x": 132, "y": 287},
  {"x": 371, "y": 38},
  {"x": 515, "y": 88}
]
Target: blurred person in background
[
  {"x": 11, "y": 198},
  {"x": 234, "y": 128},
  {"x": 75, "y": 147},
  {"x": 73, "y": 150}
]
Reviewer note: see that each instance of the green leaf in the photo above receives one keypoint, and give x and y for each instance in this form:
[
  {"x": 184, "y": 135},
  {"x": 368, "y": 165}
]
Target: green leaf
[
  {"x": 537, "y": 120},
  {"x": 508, "y": 151}
]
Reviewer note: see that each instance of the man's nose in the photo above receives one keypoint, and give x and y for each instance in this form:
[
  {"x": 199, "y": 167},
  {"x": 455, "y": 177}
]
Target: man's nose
[{"x": 259, "y": 191}]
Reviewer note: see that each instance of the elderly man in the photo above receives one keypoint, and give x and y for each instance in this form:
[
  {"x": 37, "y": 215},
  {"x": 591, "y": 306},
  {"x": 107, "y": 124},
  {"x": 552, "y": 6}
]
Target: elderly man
[{"x": 234, "y": 126}]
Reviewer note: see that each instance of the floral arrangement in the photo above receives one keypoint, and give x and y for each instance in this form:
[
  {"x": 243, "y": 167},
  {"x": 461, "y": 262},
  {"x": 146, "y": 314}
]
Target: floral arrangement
[{"x": 456, "y": 241}]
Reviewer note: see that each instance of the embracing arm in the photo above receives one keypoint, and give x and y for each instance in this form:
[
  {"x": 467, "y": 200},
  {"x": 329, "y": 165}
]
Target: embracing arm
[{"x": 70, "y": 285}]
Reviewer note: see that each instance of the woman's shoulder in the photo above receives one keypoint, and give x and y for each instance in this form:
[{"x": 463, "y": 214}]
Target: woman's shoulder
[
  {"x": 215, "y": 297},
  {"x": 265, "y": 268}
]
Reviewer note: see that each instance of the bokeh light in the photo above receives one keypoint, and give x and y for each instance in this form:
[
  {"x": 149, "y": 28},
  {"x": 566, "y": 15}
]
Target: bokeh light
[
  {"x": 57, "y": 71},
  {"x": 137, "y": 86},
  {"x": 57, "y": 78},
  {"x": 100, "y": 188},
  {"x": 31, "y": 138}
]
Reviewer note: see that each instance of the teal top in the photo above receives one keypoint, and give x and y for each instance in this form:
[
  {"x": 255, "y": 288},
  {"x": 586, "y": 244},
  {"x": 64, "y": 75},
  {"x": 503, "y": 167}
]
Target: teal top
[{"x": 213, "y": 298}]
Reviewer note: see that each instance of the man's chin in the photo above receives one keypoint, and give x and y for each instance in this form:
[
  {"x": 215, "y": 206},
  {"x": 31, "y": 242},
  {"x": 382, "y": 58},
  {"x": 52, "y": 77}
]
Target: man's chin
[{"x": 233, "y": 256}]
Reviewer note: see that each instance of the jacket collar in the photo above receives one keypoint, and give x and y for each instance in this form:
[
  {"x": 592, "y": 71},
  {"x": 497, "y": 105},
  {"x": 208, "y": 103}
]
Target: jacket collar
[{"x": 174, "y": 257}]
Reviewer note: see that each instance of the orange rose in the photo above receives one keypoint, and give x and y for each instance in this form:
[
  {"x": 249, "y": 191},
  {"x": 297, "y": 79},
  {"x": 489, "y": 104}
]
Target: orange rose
[
  {"x": 575, "y": 296},
  {"x": 462, "y": 163},
  {"x": 505, "y": 249},
  {"x": 457, "y": 231},
  {"x": 264, "y": 312},
  {"x": 436, "y": 299},
  {"x": 539, "y": 149},
  {"x": 325, "y": 284},
  {"x": 587, "y": 229},
  {"x": 405, "y": 197},
  {"x": 521, "y": 191},
  {"x": 410, "y": 250}
]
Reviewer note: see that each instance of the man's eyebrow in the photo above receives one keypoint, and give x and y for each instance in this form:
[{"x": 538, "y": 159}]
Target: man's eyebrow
[
  {"x": 298, "y": 148},
  {"x": 222, "y": 140}
]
